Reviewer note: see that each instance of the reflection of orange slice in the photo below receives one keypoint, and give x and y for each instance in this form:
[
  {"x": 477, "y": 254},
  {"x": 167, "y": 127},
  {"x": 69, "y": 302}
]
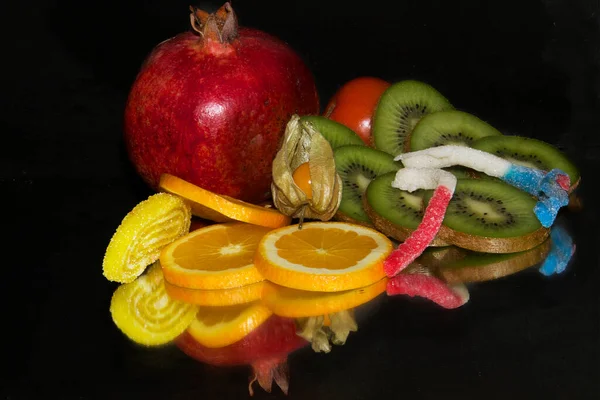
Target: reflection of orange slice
[
  {"x": 216, "y": 297},
  {"x": 323, "y": 256},
  {"x": 144, "y": 312},
  {"x": 145, "y": 230},
  {"x": 217, "y": 256},
  {"x": 295, "y": 303},
  {"x": 222, "y": 326},
  {"x": 221, "y": 208}
]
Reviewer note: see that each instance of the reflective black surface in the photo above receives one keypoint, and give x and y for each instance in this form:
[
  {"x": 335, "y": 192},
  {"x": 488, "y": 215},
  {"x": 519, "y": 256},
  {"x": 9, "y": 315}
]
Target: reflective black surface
[{"x": 527, "y": 67}]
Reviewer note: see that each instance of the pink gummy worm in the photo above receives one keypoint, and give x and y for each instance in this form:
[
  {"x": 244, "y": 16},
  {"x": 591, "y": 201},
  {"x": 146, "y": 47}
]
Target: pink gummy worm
[
  {"x": 428, "y": 287},
  {"x": 564, "y": 181},
  {"x": 418, "y": 241}
]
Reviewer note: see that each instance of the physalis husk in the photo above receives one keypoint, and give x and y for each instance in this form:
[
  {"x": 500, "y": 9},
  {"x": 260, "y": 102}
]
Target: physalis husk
[{"x": 303, "y": 143}]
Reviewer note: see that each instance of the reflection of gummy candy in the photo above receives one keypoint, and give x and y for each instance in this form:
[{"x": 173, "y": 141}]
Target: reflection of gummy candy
[
  {"x": 411, "y": 179},
  {"x": 430, "y": 288},
  {"x": 561, "y": 252},
  {"x": 550, "y": 188}
]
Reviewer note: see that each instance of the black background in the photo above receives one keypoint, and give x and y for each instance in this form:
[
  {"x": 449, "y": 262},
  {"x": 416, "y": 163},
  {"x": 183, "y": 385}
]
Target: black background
[{"x": 528, "y": 67}]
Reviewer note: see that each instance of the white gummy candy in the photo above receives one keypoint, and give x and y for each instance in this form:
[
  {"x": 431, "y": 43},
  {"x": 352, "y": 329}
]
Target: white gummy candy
[{"x": 450, "y": 155}]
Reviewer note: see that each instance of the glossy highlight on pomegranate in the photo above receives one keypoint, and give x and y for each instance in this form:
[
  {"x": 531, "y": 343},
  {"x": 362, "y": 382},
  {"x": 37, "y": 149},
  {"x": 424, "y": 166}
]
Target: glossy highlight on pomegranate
[{"x": 210, "y": 106}]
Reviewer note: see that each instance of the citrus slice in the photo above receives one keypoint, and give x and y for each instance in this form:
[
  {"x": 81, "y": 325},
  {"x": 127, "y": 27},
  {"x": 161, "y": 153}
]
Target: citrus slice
[
  {"x": 221, "y": 208},
  {"x": 222, "y": 326},
  {"x": 217, "y": 256},
  {"x": 144, "y": 312},
  {"x": 323, "y": 256},
  {"x": 294, "y": 303},
  {"x": 216, "y": 297},
  {"x": 145, "y": 230}
]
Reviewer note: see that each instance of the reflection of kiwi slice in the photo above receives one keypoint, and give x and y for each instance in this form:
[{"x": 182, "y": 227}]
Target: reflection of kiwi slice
[
  {"x": 399, "y": 109},
  {"x": 530, "y": 153},
  {"x": 357, "y": 166},
  {"x": 479, "y": 267},
  {"x": 448, "y": 127},
  {"x": 492, "y": 217},
  {"x": 394, "y": 212},
  {"x": 335, "y": 133},
  {"x": 434, "y": 257}
]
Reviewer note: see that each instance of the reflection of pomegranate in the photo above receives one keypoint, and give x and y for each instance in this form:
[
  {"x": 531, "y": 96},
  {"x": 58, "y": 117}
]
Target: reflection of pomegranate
[
  {"x": 265, "y": 349},
  {"x": 211, "y": 106}
]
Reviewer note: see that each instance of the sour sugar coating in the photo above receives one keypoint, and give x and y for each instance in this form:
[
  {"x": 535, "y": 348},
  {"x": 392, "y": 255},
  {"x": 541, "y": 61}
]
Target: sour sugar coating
[
  {"x": 411, "y": 179},
  {"x": 551, "y": 188},
  {"x": 561, "y": 252},
  {"x": 430, "y": 288},
  {"x": 553, "y": 195}
]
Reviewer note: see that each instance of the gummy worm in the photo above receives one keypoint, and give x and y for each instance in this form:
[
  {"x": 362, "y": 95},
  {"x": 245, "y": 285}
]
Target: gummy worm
[
  {"x": 411, "y": 179},
  {"x": 551, "y": 188}
]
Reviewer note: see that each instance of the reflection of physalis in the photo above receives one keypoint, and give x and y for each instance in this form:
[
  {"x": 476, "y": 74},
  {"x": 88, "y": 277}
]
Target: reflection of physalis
[
  {"x": 323, "y": 331},
  {"x": 303, "y": 144}
]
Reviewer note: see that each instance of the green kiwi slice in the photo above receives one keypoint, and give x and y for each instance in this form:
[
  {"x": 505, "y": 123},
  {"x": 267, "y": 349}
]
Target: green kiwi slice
[
  {"x": 449, "y": 127},
  {"x": 491, "y": 216},
  {"x": 480, "y": 267},
  {"x": 357, "y": 165},
  {"x": 394, "y": 212},
  {"x": 335, "y": 133},
  {"x": 529, "y": 152},
  {"x": 399, "y": 109}
]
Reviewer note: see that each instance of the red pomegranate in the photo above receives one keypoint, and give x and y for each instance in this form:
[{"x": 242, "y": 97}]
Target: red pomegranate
[
  {"x": 266, "y": 349},
  {"x": 210, "y": 106}
]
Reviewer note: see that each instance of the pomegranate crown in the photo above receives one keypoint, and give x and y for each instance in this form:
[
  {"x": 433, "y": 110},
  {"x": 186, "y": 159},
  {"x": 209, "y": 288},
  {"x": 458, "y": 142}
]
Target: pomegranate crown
[{"x": 221, "y": 26}]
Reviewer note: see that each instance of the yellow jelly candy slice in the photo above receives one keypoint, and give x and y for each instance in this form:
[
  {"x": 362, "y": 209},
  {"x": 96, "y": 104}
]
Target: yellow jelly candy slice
[
  {"x": 145, "y": 230},
  {"x": 146, "y": 314}
]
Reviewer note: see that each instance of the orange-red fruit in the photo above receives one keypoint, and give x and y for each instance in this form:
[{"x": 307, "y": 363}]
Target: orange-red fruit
[
  {"x": 302, "y": 179},
  {"x": 354, "y": 103}
]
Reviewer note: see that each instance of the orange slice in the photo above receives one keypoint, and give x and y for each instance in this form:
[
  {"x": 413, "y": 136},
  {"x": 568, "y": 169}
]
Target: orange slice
[
  {"x": 323, "y": 256},
  {"x": 216, "y": 297},
  {"x": 217, "y": 256},
  {"x": 221, "y": 208},
  {"x": 222, "y": 326},
  {"x": 145, "y": 230},
  {"x": 144, "y": 312},
  {"x": 294, "y": 303}
]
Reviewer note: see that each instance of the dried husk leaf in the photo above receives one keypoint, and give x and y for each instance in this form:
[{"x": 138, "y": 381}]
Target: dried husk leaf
[
  {"x": 323, "y": 337},
  {"x": 302, "y": 143},
  {"x": 342, "y": 323}
]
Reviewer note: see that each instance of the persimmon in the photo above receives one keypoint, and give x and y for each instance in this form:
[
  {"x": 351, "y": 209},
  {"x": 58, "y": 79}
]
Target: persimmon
[{"x": 354, "y": 103}]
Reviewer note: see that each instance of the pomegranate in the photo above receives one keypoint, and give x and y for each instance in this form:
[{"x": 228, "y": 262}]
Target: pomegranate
[
  {"x": 211, "y": 105},
  {"x": 266, "y": 349}
]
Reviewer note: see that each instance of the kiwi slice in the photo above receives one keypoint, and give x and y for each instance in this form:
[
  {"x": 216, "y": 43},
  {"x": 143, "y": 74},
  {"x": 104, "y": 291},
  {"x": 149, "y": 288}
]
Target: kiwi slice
[
  {"x": 399, "y": 109},
  {"x": 491, "y": 216},
  {"x": 357, "y": 165},
  {"x": 530, "y": 153},
  {"x": 335, "y": 133},
  {"x": 394, "y": 212},
  {"x": 448, "y": 127},
  {"x": 479, "y": 267}
]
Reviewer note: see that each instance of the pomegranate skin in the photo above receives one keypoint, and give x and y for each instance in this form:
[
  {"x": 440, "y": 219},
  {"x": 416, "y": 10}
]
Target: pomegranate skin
[{"x": 213, "y": 113}]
